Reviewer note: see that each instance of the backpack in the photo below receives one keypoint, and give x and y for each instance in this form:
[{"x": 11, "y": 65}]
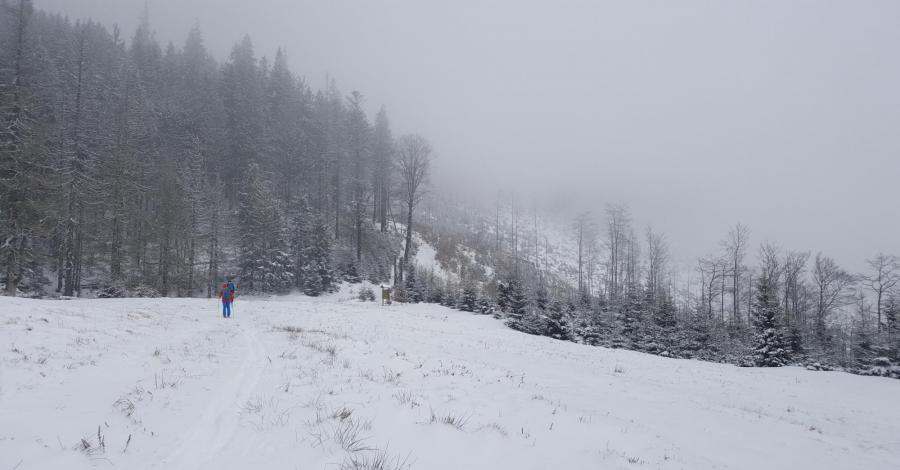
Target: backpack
[{"x": 227, "y": 292}]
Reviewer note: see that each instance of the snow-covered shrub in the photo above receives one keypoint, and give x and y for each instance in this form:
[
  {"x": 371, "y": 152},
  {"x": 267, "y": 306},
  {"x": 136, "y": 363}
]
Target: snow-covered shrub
[
  {"x": 112, "y": 291},
  {"x": 400, "y": 294},
  {"x": 485, "y": 307},
  {"x": 144, "y": 291},
  {"x": 366, "y": 294}
]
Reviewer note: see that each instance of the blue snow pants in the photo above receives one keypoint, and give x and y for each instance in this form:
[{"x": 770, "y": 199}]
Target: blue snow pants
[{"x": 226, "y": 309}]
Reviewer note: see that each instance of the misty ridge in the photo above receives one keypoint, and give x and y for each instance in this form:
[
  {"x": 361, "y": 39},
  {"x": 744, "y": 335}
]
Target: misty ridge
[{"x": 136, "y": 167}]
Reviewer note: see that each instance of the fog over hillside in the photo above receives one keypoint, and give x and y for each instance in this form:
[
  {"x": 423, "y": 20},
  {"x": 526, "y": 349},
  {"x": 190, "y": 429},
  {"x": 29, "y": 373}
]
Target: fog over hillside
[{"x": 780, "y": 115}]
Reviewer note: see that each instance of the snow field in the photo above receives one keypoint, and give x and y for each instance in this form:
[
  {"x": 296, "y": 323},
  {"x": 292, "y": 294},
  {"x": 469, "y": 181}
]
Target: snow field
[{"x": 328, "y": 383}]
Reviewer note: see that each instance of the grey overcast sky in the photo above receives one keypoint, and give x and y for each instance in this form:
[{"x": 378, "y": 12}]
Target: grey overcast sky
[{"x": 782, "y": 114}]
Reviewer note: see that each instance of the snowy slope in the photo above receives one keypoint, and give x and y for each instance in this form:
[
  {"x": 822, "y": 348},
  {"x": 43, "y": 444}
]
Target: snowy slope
[
  {"x": 302, "y": 383},
  {"x": 426, "y": 257}
]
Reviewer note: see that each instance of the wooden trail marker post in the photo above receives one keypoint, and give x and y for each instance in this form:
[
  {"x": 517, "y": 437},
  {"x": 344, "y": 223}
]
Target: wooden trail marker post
[{"x": 385, "y": 295}]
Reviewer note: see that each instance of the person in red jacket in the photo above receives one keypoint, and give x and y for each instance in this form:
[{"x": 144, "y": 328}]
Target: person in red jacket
[{"x": 227, "y": 296}]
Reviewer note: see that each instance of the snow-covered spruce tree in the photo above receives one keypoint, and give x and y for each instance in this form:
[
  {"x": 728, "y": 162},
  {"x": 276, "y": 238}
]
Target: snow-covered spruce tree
[
  {"x": 359, "y": 134},
  {"x": 286, "y": 108},
  {"x": 347, "y": 264},
  {"x": 695, "y": 337},
  {"x": 664, "y": 314},
  {"x": 590, "y": 327},
  {"x": 542, "y": 297},
  {"x": 768, "y": 346},
  {"x": 264, "y": 261},
  {"x": 451, "y": 295},
  {"x": 317, "y": 271},
  {"x": 469, "y": 301},
  {"x": 628, "y": 329},
  {"x": 794, "y": 341},
  {"x": 892, "y": 320},
  {"x": 864, "y": 349},
  {"x": 523, "y": 315},
  {"x": 503, "y": 300},
  {"x": 436, "y": 294},
  {"x": 662, "y": 331},
  {"x": 279, "y": 277},
  {"x": 243, "y": 108},
  {"x": 421, "y": 288},
  {"x": 556, "y": 323},
  {"x": 518, "y": 302},
  {"x": 409, "y": 283}
]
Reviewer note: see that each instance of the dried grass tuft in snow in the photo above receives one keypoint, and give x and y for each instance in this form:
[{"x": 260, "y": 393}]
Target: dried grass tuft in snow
[
  {"x": 379, "y": 460},
  {"x": 406, "y": 398},
  {"x": 494, "y": 427},
  {"x": 348, "y": 434},
  {"x": 450, "y": 419}
]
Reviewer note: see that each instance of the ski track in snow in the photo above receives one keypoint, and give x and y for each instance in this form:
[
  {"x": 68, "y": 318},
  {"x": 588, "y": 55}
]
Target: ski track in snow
[
  {"x": 267, "y": 389},
  {"x": 218, "y": 426}
]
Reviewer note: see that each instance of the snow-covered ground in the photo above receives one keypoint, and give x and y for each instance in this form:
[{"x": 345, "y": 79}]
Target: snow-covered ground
[
  {"x": 301, "y": 383},
  {"x": 426, "y": 257}
]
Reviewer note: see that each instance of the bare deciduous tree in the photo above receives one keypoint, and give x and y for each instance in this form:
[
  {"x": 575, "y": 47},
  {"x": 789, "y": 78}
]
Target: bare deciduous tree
[
  {"x": 794, "y": 264},
  {"x": 618, "y": 222},
  {"x": 736, "y": 246},
  {"x": 657, "y": 257},
  {"x": 770, "y": 263},
  {"x": 712, "y": 271},
  {"x": 883, "y": 277},
  {"x": 833, "y": 285},
  {"x": 414, "y": 159},
  {"x": 584, "y": 233}
]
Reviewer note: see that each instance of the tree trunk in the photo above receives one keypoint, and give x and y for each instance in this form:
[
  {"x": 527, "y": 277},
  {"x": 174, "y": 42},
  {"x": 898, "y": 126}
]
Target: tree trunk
[
  {"x": 878, "y": 309},
  {"x": 409, "y": 219},
  {"x": 384, "y": 206},
  {"x": 115, "y": 251},
  {"x": 722, "y": 296},
  {"x": 190, "y": 273},
  {"x": 212, "y": 273},
  {"x": 337, "y": 203},
  {"x": 12, "y": 268},
  {"x": 737, "y": 291}
]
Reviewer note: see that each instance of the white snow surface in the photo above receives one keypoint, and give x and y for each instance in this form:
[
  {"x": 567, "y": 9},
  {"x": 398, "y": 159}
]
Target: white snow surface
[
  {"x": 426, "y": 255},
  {"x": 196, "y": 391}
]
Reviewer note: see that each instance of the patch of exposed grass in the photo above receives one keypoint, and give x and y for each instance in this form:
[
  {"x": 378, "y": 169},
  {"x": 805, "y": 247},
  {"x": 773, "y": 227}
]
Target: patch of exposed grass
[{"x": 457, "y": 421}]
